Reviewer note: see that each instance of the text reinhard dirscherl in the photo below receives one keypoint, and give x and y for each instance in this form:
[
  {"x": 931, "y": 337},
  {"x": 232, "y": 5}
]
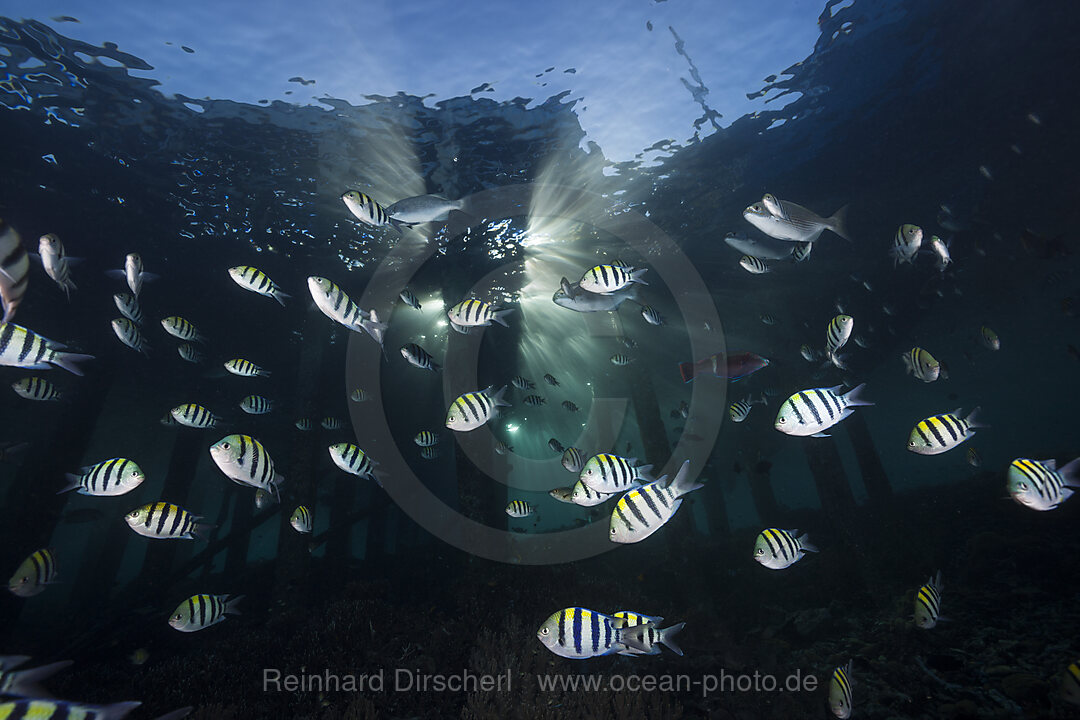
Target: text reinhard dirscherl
[{"x": 410, "y": 680}]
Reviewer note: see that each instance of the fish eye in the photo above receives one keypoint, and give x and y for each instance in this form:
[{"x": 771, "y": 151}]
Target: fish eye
[
  {"x": 1023, "y": 486},
  {"x": 134, "y": 473},
  {"x": 545, "y": 631},
  {"x": 177, "y": 616},
  {"x": 760, "y": 551},
  {"x": 224, "y": 446},
  {"x": 781, "y": 420},
  {"x": 612, "y": 531},
  {"x": 911, "y": 443}
]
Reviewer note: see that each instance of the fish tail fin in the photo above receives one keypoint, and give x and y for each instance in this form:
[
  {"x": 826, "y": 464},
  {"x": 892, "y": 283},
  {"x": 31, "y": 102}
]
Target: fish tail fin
[
  {"x": 24, "y": 683},
  {"x": 838, "y": 223},
  {"x": 683, "y": 484},
  {"x": 201, "y": 531},
  {"x": 280, "y": 297},
  {"x": 1070, "y": 473},
  {"x": 853, "y": 397},
  {"x": 73, "y": 482},
  {"x": 805, "y": 544},
  {"x": 500, "y": 316},
  {"x": 177, "y": 714},
  {"x": 497, "y": 398},
  {"x": 687, "y": 370},
  {"x": 398, "y": 224},
  {"x": 67, "y": 361},
  {"x": 973, "y": 421},
  {"x": 667, "y": 637},
  {"x": 263, "y": 373},
  {"x": 230, "y": 604},
  {"x": 644, "y": 474},
  {"x": 117, "y": 710},
  {"x": 635, "y": 276}
]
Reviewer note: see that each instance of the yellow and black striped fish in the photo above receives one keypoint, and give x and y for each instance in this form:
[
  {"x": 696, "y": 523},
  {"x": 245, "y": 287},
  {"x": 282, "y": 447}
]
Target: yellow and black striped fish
[
  {"x": 753, "y": 265},
  {"x": 940, "y": 433},
  {"x": 812, "y": 412},
  {"x": 202, "y": 611},
  {"x": 641, "y": 512},
  {"x": 607, "y": 473},
  {"x": 245, "y": 368},
  {"x": 922, "y": 365},
  {"x": 472, "y": 410},
  {"x": 779, "y": 549},
  {"x": 35, "y": 572},
  {"x": 14, "y": 270},
  {"x": 519, "y": 509},
  {"x": 534, "y": 400},
  {"x": 194, "y": 416},
  {"x": 256, "y": 405},
  {"x": 573, "y": 459},
  {"x": 63, "y": 710},
  {"x": 164, "y": 520},
  {"x": 353, "y": 460},
  {"x": 1041, "y": 484},
  {"x": 340, "y": 308},
  {"x": 426, "y": 438},
  {"x": 117, "y": 476},
  {"x": 330, "y": 423},
  {"x": 190, "y": 353},
  {"x": 928, "y": 603},
  {"x": 34, "y": 388},
  {"x": 474, "y": 313},
  {"x": 606, "y": 279},
  {"x": 629, "y": 618},
  {"x": 840, "y": 692},
  {"x": 129, "y": 334},
  {"x": 577, "y": 633},
  {"x": 245, "y": 461},
  {"x": 301, "y": 519},
  {"x": 255, "y": 280},
  {"x": 23, "y": 348},
  {"x": 128, "y": 305},
  {"x": 836, "y": 336},
  {"x": 367, "y": 211},
  {"x": 178, "y": 327},
  {"x": 428, "y": 453},
  {"x": 24, "y": 683}
]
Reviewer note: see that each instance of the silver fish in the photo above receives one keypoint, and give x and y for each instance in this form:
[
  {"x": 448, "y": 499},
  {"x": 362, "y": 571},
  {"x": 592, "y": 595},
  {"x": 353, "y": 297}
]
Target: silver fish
[
  {"x": 56, "y": 262},
  {"x": 572, "y": 297},
  {"x": 763, "y": 248},
  {"x": 795, "y": 223},
  {"x": 14, "y": 270},
  {"x": 423, "y": 209}
]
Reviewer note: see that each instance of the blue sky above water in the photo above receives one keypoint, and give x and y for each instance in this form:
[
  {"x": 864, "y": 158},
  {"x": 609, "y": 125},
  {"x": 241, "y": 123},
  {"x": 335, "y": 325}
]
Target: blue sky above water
[{"x": 629, "y": 79}]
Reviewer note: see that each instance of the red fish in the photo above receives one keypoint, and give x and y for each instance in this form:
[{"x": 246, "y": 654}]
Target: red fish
[{"x": 732, "y": 367}]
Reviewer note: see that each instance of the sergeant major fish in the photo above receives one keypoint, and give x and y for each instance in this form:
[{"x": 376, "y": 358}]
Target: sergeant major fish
[
  {"x": 353, "y": 460},
  {"x": 110, "y": 478},
  {"x": 419, "y": 357},
  {"x": 779, "y": 549},
  {"x": 14, "y": 270},
  {"x": 133, "y": 273},
  {"x": 578, "y": 633},
  {"x": 811, "y": 412},
  {"x": 473, "y": 409},
  {"x": 607, "y": 279},
  {"x": 472, "y": 313},
  {"x": 34, "y": 574},
  {"x": 519, "y": 509},
  {"x": 367, "y": 211},
  {"x": 941, "y": 433},
  {"x": 162, "y": 520},
  {"x": 244, "y": 460},
  {"x": 607, "y": 473},
  {"x": 840, "y": 692},
  {"x": 922, "y": 364},
  {"x": 56, "y": 262},
  {"x": 255, "y": 280},
  {"x": 128, "y": 333},
  {"x": 1040, "y": 484},
  {"x": 34, "y": 388},
  {"x": 928, "y": 603},
  {"x": 642, "y": 511},
  {"x": 340, "y": 308},
  {"x": 573, "y": 297},
  {"x": 201, "y": 611},
  {"x": 301, "y": 520},
  {"x": 906, "y": 244},
  {"x": 23, "y": 348},
  {"x": 194, "y": 416}
]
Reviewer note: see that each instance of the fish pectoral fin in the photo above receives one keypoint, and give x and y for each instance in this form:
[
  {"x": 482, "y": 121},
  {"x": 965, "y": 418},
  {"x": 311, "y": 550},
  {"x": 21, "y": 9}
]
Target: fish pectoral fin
[{"x": 821, "y": 434}]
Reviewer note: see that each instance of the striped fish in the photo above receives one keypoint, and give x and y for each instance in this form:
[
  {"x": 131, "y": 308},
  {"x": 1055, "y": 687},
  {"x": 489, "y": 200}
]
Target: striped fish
[
  {"x": 133, "y": 273},
  {"x": 117, "y": 476},
  {"x": 190, "y": 353},
  {"x": 256, "y": 405},
  {"x": 419, "y": 357},
  {"x": 534, "y": 400},
  {"x": 802, "y": 251},
  {"x": 245, "y": 461},
  {"x": 304, "y": 424},
  {"x": 989, "y": 338},
  {"x": 409, "y": 299},
  {"x": 14, "y": 270},
  {"x": 55, "y": 262},
  {"x": 165, "y": 521},
  {"x": 522, "y": 383},
  {"x": 767, "y": 319},
  {"x": 353, "y": 460},
  {"x": 34, "y": 574},
  {"x": 941, "y": 433},
  {"x": 23, "y": 348},
  {"x": 330, "y": 423},
  {"x": 34, "y": 388},
  {"x": 555, "y": 445},
  {"x": 621, "y": 360},
  {"x": 474, "y": 313},
  {"x": 607, "y": 473},
  {"x": 301, "y": 519},
  {"x": 255, "y": 280},
  {"x": 1040, "y": 484},
  {"x": 641, "y": 512},
  {"x": 128, "y": 305},
  {"x": 578, "y": 633},
  {"x": 368, "y": 211},
  {"x": 426, "y": 438},
  {"x": 129, "y": 334},
  {"x": 358, "y": 395},
  {"x": 630, "y": 618},
  {"x": 646, "y": 639},
  {"x": 921, "y": 364},
  {"x": 428, "y": 453},
  {"x": 738, "y": 411},
  {"x": 502, "y": 448},
  {"x": 808, "y": 353},
  {"x": 1070, "y": 684},
  {"x": 183, "y": 329},
  {"x": 194, "y": 416},
  {"x": 811, "y": 412},
  {"x": 168, "y": 420},
  {"x": 202, "y": 611},
  {"x": 337, "y": 306},
  {"x": 928, "y": 603},
  {"x": 550, "y": 379},
  {"x": 836, "y": 336},
  {"x": 519, "y": 509},
  {"x": 245, "y": 368},
  {"x": 24, "y": 683},
  {"x": 606, "y": 279},
  {"x": 562, "y": 494},
  {"x": 840, "y": 692},
  {"x": 569, "y": 406},
  {"x": 63, "y": 710},
  {"x": 651, "y": 315},
  {"x": 473, "y": 409},
  {"x": 778, "y": 549},
  {"x": 585, "y": 496},
  {"x": 573, "y": 459},
  {"x": 753, "y": 265},
  {"x": 906, "y": 244}
]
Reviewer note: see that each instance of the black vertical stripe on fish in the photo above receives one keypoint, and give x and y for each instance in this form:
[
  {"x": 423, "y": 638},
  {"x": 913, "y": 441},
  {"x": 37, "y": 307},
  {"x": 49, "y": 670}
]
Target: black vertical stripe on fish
[
  {"x": 28, "y": 345},
  {"x": 946, "y": 421},
  {"x": 646, "y": 496},
  {"x": 577, "y": 630},
  {"x": 824, "y": 402},
  {"x": 932, "y": 426},
  {"x": 634, "y": 509},
  {"x": 562, "y": 628},
  {"x": 810, "y": 406},
  {"x": 622, "y": 516},
  {"x": 919, "y": 429},
  {"x": 607, "y": 633},
  {"x": 6, "y": 333},
  {"x": 596, "y": 631}
]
